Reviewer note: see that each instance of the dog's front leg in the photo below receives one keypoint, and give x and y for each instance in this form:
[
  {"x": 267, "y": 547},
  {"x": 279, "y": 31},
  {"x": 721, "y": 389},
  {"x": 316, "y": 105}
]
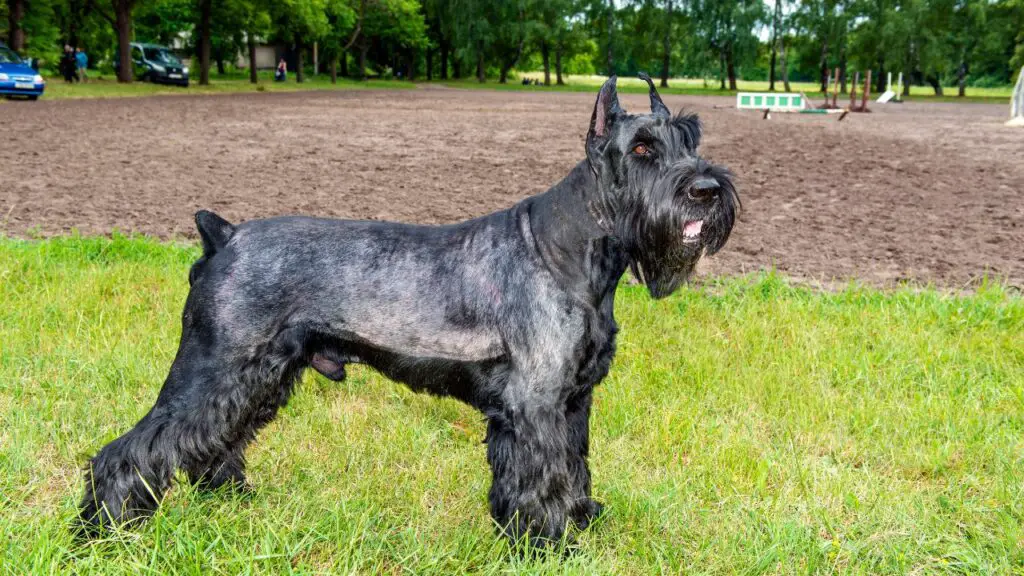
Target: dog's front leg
[
  {"x": 577, "y": 416},
  {"x": 527, "y": 448}
]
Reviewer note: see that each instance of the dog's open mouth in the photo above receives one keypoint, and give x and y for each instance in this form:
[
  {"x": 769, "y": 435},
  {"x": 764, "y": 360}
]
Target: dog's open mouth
[{"x": 691, "y": 230}]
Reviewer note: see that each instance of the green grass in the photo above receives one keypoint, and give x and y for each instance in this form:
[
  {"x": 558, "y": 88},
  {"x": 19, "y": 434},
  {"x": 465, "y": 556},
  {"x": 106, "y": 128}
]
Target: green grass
[
  {"x": 697, "y": 87},
  {"x": 105, "y": 86},
  {"x": 748, "y": 426}
]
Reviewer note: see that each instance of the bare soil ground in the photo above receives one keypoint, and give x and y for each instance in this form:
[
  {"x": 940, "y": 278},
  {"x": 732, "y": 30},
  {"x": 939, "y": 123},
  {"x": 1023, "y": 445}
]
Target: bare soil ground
[{"x": 917, "y": 192}]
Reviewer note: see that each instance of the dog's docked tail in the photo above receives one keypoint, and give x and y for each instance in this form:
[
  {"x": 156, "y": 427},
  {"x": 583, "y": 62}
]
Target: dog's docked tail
[{"x": 215, "y": 233}]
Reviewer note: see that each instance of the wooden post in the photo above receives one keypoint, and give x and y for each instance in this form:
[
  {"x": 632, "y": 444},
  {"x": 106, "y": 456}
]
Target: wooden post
[{"x": 316, "y": 59}]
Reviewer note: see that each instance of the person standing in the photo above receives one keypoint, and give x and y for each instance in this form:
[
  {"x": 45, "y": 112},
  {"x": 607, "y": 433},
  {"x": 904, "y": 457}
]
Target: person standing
[
  {"x": 281, "y": 74},
  {"x": 67, "y": 64},
  {"x": 81, "y": 63}
]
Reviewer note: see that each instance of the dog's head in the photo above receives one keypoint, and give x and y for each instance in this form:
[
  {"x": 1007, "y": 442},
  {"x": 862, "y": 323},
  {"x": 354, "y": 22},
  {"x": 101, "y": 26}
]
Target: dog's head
[{"x": 665, "y": 204}]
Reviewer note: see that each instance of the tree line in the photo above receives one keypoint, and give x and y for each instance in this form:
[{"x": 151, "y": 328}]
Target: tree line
[{"x": 935, "y": 42}]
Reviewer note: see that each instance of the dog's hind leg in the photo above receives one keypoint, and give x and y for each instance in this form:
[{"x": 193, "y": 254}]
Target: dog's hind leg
[
  {"x": 209, "y": 408},
  {"x": 274, "y": 375}
]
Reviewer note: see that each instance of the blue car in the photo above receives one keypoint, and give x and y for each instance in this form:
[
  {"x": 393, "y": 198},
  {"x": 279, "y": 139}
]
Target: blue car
[{"x": 17, "y": 78}]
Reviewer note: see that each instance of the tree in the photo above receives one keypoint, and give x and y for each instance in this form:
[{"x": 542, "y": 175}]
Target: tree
[
  {"x": 550, "y": 27},
  {"x": 440, "y": 20},
  {"x": 667, "y": 44},
  {"x": 345, "y": 23},
  {"x": 122, "y": 23},
  {"x": 255, "y": 24},
  {"x": 300, "y": 22},
  {"x": 205, "y": 9},
  {"x": 776, "y": 24},
  {"x": 728, "y": 29},
  {"x": 511, "y": 32},
  {"x": 15, "y": 33},
  {"x": 570, "y": 40},
  {"x": 969, "y": 18}
]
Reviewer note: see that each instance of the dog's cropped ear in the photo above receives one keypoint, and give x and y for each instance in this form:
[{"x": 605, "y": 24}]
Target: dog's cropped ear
[
  {"x": 658, "y": 107},
  {"x": 606, "y": 113}
]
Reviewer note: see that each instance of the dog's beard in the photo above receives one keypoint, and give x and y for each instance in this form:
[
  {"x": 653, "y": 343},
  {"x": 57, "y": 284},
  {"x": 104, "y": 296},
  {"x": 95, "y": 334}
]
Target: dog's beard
[
  {"x": 667, "y": 232},
  {"x": 663, "y": 273}
]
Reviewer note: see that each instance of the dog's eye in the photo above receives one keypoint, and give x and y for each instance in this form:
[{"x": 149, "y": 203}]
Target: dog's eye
[{"x": 641, "y": 150}]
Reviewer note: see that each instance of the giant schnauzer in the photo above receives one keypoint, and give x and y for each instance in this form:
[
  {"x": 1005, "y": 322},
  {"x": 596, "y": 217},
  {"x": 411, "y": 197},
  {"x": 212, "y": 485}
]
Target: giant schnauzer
[{"x": 511, "y": 313}]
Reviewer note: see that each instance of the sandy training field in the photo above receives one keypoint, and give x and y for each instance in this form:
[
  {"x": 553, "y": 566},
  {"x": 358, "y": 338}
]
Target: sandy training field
[{"x": 920, "y": 192}]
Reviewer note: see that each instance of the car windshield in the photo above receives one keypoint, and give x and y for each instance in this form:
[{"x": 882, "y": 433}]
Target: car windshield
[
  {"x": 162, "y": 56},
  {"x": 7, "y": 56}
]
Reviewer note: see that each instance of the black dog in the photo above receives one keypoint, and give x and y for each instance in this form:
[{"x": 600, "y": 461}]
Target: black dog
[{"x": 511, "y": 313}]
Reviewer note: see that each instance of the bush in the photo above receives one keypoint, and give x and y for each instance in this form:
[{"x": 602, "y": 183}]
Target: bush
[{"x": 989, "y": 81}]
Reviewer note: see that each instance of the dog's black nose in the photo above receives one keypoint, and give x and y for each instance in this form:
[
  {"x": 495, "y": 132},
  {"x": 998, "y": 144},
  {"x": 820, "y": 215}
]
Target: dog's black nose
[{"x": 704, "y": 189}]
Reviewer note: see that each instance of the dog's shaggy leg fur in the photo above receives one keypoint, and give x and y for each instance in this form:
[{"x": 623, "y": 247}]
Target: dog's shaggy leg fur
[
  {"x": 203, "y": 418},
  {"x": 577, "y": 416}
]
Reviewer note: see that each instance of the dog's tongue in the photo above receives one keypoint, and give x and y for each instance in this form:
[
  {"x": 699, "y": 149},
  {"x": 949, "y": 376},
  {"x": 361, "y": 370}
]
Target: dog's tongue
[{"x": 692, "y": 228}]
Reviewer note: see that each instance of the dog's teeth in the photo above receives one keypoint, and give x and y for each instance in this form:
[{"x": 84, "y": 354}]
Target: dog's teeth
[{"x": 692, "y": 228}]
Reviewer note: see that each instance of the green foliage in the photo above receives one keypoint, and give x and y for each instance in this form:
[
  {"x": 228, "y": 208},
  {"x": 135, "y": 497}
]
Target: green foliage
[
  {"x": 161, "y": 21},
  {"x": 934, "y": 42},
  {"x": 748, "y": 426}
]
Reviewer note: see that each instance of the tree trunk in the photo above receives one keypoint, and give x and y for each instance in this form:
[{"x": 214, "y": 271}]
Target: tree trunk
[
  {"x": 961, "y": 79},
  {"x": 776, "y": 21},
  {"x": 444, "y": 60},
  {"x": 334, "y": 70},
  {"x": 730, "y": 61},
  {"x": 457, "y": 68},
  {"x": 936, "y": 85},
  {"x": 251, "y": 41},
  {"x": 123, "y": 26},
  {"x": 220, "y": 62},
  {"x": 480, "y": 77},
  {"x": 879, "y": 87},
  {"x": 558, "y": 66},
  {"x": 666, "y": 47},
  {"x": 721, "y": 69},
  {"x": 842, "y": 70},
  {"x": 361, "y": 65},
  {"x": 205, "y": 10},
  {"x": 782, "y": 63},
  {"x": 824, "y": 67},
  {"x": 545, "y": 53},
  {"x": 15, "y": 33},
  {"x": 344, "y": 63},
  {"x": 74, "y": 12},
  {"x": 611, "y": 18},
  {"x": 300, "y": 76},
  {"x": 430, "y": 64}
]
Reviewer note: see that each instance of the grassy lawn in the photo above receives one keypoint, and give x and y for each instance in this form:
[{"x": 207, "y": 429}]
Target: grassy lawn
[
  {"x": 748, "y": 426},
  {"x": 697, "y": 87},
  {"x": 106, "y": 87}
]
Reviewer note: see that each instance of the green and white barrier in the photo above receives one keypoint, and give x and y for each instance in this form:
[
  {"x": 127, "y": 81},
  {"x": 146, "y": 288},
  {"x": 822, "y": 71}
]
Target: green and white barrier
[{"x": 784, "y": 102}]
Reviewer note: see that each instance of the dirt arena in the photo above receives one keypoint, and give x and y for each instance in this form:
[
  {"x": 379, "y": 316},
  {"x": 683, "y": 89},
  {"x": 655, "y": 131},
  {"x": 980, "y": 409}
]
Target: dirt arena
[{"x": 918, "y": 192}]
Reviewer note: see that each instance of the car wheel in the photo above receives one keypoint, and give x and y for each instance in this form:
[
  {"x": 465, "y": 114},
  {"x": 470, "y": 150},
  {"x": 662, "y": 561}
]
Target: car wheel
[{"x": 33, "y": 97}]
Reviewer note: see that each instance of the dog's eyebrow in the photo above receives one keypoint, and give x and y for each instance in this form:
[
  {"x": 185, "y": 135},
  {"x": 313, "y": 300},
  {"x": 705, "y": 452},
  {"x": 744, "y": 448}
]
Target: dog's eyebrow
[{"x": 643, "y": 134}]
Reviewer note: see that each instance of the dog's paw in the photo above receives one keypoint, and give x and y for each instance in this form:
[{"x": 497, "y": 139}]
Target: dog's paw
[{"x": 587, "y": 513}]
